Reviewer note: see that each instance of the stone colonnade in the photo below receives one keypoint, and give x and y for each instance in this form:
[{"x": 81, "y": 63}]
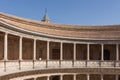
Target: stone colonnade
[{"x": 73, "y": 50}]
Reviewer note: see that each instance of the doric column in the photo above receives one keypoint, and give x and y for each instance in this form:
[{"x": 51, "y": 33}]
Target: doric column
[
  {"x": 61, "y": 77},
  {"x": 102, "y": 52},
  {"x": 34, "y": 50},
  {"x": 74, "y": 51},
  {"x": 102, "y": 77},
  {"x": 48, "y": 44},
  {"x": 20, "y": 48},
  {"x": 74, "y": 76},
  {"x": 88, "y": 77},
  {"x": 88, "y": 51},
  {"x": 6, "y": 46},
  {"x": 117, "y": 52},
  {"x": 61, "y": 51},
  {"x": 117, "y": 77},
  {"x": 48, "y": 78}
]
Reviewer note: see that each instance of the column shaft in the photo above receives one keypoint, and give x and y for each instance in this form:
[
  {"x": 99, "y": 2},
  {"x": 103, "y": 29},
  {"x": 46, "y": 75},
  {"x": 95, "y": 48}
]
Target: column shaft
[
  {"x": 48, "y": 44},
  {"x": 61, "y": 51},
  {"x": 74, "y": 51},
  {"x": 88, "y": 77},
  {"x": 34, "y": 50},
  {"x": 48, "y": 78},
  {"x": 20, "y": 48},
  {"x": 35, "y": 79},
  {"x": 102, "y": 77},
  {"x": 88, "y": 51},
  {"x": 61, "y": 77},
  {"x": 117, "y": 52},
  {"x": 6, "y": 46},
  {"x": 74, "y": 77},
  {"x": 117, "y": 76},
  {"x": 102, "y": 52}
]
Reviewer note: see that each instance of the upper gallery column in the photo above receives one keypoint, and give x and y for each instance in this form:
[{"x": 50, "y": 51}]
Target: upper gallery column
[
  {"x": 34, "y": 50},
  {"x": 48, "y": 44},
  {"x": 6, "y": 46},
  {"x": 20, "y": 48},
  {"x": 102, "y": 52},
  {"x": 88, "y": 51},
  {"x": 74, "y": 51},
  {"x": 117, "y": 52},
  {"x": 61, "y": 51}
]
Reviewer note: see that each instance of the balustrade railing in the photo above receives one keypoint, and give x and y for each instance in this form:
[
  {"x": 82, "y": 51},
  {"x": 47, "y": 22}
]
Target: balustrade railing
[
  {"x": 66, "y": 63},
  {"x": 14, "y": 65}
]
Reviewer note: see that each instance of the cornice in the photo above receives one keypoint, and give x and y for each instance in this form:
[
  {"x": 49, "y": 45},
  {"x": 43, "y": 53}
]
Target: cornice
[
  {"x": 96, "y": 40},
  {"x": 59, "y": 26}
]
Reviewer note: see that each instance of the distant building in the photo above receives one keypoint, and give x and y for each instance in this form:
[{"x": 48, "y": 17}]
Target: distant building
[{"x": 42, "y": 50}]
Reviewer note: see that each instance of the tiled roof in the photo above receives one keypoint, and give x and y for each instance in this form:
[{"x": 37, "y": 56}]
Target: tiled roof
[{"x": 75, "y": 31}]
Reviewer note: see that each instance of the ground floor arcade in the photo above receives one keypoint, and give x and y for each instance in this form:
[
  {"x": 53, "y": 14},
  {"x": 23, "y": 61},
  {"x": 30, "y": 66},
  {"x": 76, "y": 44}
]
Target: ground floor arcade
[{"x": 78, "y": 77}]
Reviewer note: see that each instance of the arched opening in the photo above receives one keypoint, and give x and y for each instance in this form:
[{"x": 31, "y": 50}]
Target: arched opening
[{"x": 106, "y": 54}]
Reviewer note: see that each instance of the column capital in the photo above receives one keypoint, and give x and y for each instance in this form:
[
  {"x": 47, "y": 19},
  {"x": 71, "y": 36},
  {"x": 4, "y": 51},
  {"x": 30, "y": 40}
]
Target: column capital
[
  {"x": 35, "y": 39},
  {"x": 48, "y": 40},
  {"x": 102, "y": 44},
  {"x": 61, "y": 42},
  {"x": 21, "y": 36},
  {"x": 6, "y": 33},
  {"x": 75, "y": 43},
  {"x": 88, "y": 43}
]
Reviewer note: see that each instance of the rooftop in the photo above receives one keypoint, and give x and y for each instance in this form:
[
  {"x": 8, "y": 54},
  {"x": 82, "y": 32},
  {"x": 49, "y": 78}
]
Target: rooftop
[{"x": 65, "y": 30}]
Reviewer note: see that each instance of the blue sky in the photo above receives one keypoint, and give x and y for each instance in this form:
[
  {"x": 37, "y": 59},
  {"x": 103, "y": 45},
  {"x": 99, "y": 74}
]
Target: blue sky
[{"x": 83, "y": 12}]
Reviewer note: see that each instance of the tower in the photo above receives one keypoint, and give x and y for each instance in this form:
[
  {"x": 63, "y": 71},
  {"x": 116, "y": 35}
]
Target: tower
[{"x": 45, "y": 17}]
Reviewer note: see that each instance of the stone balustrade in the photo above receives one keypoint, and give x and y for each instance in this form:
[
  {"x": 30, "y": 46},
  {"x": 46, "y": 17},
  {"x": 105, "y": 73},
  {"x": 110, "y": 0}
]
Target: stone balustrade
[{"x": 16, "y": 65}]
